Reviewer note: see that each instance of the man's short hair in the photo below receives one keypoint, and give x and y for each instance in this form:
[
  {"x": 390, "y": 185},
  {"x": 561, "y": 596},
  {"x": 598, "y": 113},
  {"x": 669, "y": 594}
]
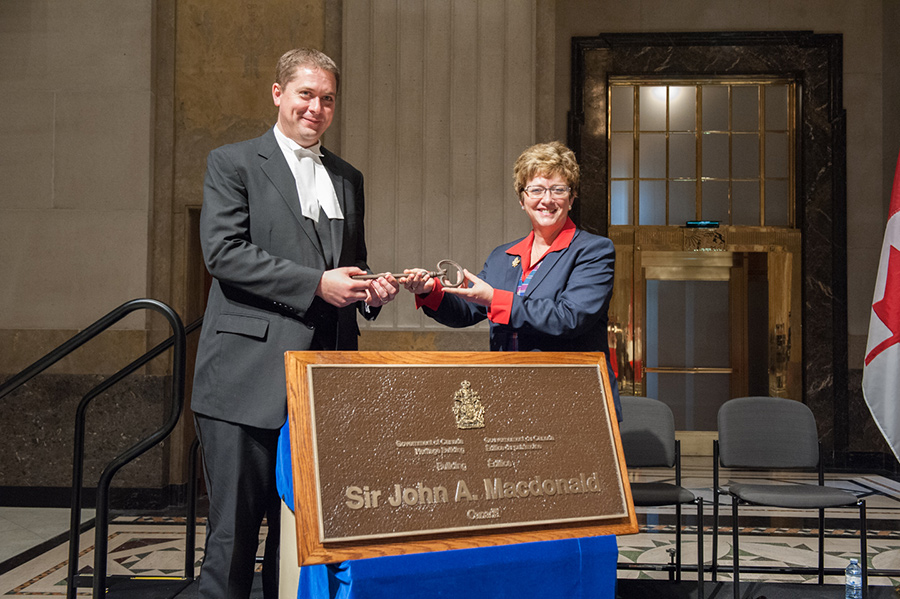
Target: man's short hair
[{"x": 286, "y": 69}]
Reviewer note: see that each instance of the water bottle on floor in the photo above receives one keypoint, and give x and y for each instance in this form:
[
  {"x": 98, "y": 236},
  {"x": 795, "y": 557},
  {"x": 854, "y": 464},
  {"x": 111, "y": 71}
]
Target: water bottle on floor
[{"x": 853, "y": 581}]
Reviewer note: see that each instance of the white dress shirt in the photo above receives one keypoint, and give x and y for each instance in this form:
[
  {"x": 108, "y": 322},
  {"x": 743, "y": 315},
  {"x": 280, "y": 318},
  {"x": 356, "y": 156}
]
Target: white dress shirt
[{"x": 314, "y": 185}]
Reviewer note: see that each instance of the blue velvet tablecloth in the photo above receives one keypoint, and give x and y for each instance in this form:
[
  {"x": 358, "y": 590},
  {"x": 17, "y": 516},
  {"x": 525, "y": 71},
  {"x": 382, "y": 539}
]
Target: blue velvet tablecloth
[{"x": 564, "y": 569}]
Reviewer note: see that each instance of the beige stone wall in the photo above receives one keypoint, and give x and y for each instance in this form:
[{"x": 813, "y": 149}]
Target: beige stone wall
[
  {"x": 75, "y": 162},
  {"x": 437, "y": 138}
]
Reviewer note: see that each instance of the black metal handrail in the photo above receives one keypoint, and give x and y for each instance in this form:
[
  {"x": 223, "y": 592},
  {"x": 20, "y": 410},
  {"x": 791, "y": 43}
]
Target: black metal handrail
[{"x": 177, "y": 340}]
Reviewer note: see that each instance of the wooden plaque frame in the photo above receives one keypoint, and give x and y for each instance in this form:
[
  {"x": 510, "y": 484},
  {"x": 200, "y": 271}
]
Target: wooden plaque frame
[{"x": 306, "y": 509}]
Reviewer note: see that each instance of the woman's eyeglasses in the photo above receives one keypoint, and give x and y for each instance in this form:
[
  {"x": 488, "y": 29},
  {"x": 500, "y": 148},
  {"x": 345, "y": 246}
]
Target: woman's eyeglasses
[{"x": 536, "y": 192}]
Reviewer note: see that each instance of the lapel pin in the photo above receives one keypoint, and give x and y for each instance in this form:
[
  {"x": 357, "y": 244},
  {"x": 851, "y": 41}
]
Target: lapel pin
[{"x": 516, "y": 261}]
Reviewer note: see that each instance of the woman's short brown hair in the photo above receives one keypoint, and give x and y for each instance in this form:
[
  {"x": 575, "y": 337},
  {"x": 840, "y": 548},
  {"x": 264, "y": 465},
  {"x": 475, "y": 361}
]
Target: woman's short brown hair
[
  {"x": 286, "y": 69},
  {"x": 547, "y": 159}
]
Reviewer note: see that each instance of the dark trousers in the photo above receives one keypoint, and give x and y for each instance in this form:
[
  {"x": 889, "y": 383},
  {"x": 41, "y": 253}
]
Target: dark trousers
[{"x": 239, "y": 466}]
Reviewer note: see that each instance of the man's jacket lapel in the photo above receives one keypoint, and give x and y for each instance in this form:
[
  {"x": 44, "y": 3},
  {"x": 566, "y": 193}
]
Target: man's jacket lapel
[
  {"x": 279, "y": 173},
  {"x": 337, "y": 181}
]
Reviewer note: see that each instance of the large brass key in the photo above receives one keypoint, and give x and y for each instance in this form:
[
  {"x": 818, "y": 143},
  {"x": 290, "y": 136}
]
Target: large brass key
[{"x": 448, "y": 272}]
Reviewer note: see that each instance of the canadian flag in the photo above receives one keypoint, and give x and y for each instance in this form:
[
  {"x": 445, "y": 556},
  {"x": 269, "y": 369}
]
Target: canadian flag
[{"x": 881, "y": 374}]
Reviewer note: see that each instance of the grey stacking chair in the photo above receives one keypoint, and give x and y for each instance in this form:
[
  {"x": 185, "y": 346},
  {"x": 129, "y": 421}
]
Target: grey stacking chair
[
  {"x": 770, "y": 433},
  {"x": 648, "y": 440}
]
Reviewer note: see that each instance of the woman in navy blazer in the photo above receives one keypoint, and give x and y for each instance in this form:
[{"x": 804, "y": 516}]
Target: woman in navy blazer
[{"x": 548, "y": 291}]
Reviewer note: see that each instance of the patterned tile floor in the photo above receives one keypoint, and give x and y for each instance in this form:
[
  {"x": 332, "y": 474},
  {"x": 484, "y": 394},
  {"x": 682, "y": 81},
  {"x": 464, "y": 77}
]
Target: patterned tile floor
[
  {"x": 771, "y": 537},
  {"x": 155, "y": 546}
]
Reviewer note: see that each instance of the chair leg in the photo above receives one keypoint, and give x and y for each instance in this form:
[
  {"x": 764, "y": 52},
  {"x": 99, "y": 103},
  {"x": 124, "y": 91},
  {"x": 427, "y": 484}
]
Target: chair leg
[
  {"x": 678, "y": 543},
  {"x": 714, "y": 563},
  {"x": 734, "y": 548},
  {"x": 821, "y": 546},
  {"x": 700, "y": 561},
  {"x": 863, "y": 548},
  {"x": 714, "y": 560}
]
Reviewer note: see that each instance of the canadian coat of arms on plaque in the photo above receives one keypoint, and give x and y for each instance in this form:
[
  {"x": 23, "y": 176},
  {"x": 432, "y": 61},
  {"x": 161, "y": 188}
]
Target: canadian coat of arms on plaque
[{"x": 467, "y": 407}]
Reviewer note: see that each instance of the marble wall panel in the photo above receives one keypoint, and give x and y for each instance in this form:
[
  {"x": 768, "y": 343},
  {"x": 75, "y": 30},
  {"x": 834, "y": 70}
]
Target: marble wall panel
[{"x": 38, "y": 428}]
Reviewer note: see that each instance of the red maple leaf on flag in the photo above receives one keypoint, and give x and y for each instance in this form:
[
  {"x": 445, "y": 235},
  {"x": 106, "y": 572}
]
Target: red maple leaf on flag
[
  {"x": 888, "y": 307},
  {"x": 880, "y": 377}
]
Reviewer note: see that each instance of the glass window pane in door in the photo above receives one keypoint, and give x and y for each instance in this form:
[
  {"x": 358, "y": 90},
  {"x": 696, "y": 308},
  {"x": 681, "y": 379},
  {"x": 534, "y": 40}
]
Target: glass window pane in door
[
  {"x": 652, "y": 203},
  {"x": 652, "y": 156},
  {"x": 682, "y": 202},
  {"x": 692, "y": 329},
  {"x": 621, "y": 103},
  {"x": 776, "y": 107},
  {"x": 621, "y": 155},
  {"x": 715, "y": 201},
  {"x": 715, "y": 108},
  {"x": 682, "y": 108},
  {"x": 621, "y": 207},
  {"x": 745, "y": 203},
  {"x": 745, "y": 156},
  {"x": 687, "y": 326},
  {"x": 777, "y": 203},
  {"x": 694, "y": 399},
  {"x": 777, "y": 155},
  {"x": 653, "y": 108},
  {"x": 715, "y": 155},
  {"x": 745, "y": 108},
  {"x": 711, "y": 390},
  {"x": 682, "y": 156}
]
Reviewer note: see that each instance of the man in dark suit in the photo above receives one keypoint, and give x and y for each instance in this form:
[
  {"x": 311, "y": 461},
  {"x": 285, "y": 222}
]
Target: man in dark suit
[{"x": 282, "y": 235}]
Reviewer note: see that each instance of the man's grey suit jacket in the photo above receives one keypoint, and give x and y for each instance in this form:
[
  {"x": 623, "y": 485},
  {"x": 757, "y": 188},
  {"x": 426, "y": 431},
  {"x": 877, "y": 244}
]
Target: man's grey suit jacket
[{"x": 266, "y": 261}]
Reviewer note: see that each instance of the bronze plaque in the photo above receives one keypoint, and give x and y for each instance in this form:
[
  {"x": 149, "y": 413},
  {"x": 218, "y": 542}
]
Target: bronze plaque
[{"x": 411, "y": 450}]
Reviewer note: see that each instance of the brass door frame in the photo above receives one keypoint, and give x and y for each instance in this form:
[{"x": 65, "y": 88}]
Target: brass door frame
[{"x": 709, "y": 254}]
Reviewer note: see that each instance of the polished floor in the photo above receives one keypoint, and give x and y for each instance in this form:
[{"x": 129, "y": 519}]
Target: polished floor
[
  {"x": 25, "y": 531},
  {"x": 33, "y": 547},
  {"x": 772, "y": 537}
]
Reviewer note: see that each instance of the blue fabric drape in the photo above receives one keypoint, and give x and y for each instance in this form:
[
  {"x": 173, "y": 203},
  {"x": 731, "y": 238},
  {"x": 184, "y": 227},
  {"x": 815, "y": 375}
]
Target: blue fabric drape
[{"x": 564, "y": 569}]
